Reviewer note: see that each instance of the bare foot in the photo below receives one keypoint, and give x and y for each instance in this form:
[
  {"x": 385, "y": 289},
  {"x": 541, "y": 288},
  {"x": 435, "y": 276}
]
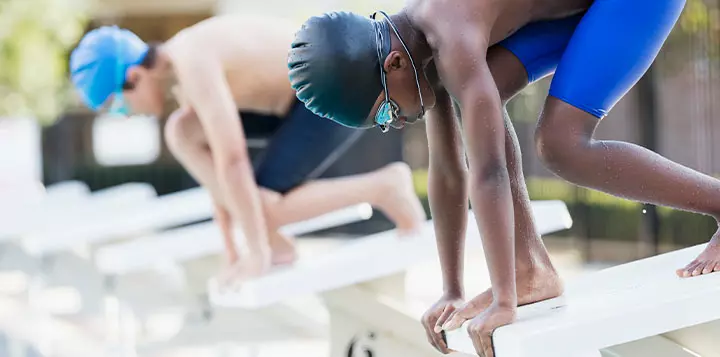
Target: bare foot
[
  {"x": 537, "y": 285},
  {"x": 398, "y": 199},
  {"x": 707, "y": 262},
  {"x": 245, "y": 267},
  {"x": 283, "y": 250}
]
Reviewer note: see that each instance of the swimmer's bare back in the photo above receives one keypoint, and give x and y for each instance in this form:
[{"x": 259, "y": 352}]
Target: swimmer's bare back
[
  {"x": 496, "y": 20},
  {"x": 251, "y": 50}
]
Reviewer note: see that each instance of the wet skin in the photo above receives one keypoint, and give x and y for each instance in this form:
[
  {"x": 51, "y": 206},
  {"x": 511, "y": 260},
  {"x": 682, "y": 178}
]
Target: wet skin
[{"x": 454, "y": 42}]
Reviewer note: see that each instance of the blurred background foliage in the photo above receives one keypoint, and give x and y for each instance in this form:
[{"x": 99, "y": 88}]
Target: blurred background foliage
[
  {"x": 35, "y": 36},
  {"x": 698, "y": 27}
]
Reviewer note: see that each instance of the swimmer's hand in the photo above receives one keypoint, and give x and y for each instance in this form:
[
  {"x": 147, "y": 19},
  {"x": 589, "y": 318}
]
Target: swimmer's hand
[
  {"x": 467, "y": 311},
  {"x": 436, "y": 316},
  {"x": 481, "y": 327}
]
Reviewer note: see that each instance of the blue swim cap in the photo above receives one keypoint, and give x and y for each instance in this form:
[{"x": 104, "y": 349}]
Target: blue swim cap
[
  {"x": 334, "y": 66},
  {"x": 99, "y": 63}
]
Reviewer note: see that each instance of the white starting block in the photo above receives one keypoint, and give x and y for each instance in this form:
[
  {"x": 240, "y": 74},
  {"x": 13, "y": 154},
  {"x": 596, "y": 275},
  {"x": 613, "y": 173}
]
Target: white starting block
[
  {"x": 19, "y": 217},
  {"x": 118, "y": 212},
  {"x": 101, "y": 202},
  {"x": 362, "y": 284},
  {"x": 29, "y": 327},
  {"x": 24, "y": 199},
  {"x": 123, "y": 221},
  {"x": 632, "y": 310},
  {"x": 200, "y": 240},
  {"x": 180, "y": 246},
  {"x": 65, "y": 217},
  {"x": 125, "y": 211}
]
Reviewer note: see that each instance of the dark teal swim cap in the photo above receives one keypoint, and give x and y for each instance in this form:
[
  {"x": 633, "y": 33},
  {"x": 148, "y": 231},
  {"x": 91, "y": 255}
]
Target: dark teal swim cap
[{"x": 334, "y": 66}]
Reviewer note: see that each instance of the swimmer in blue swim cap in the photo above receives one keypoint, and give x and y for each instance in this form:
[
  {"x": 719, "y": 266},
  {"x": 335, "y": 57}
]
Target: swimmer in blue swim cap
[
  {"x": 457, "y": 64},
  {"x": 219, "y": 77}
]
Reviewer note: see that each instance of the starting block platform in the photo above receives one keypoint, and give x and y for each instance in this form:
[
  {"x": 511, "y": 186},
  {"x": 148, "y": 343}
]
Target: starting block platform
[
  {"x": 27, "y": 326},
  {"x": 200, "y": 240},
  {"x": 362, "y": 285},
  {"x": 188, "y": 250},
  {"x": 631, "y": 310},
  {"x": 138, "y": 214},
  {"x": 363, "y": 260},
  {"x": 18, "y": 217}
]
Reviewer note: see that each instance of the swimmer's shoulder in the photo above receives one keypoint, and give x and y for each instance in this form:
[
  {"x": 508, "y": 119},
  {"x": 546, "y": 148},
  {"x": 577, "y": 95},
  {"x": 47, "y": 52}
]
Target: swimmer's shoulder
[
  {"x": 447, "y": 15},
  {"x": 234, "y": 33},
  {"x": 441, "y": 20},
  {"x": 255, "y": 25}
]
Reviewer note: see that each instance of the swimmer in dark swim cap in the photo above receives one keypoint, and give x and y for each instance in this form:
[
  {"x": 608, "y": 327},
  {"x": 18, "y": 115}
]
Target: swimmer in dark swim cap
[
  {"x": 485, "y": 52},
  {"x": 351, "y": 58}
]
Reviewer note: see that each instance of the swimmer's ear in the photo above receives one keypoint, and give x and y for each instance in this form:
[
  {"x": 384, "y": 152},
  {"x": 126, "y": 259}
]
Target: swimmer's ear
[
  {"x": 134, "y": 73},
  {"x": 394, "y": 61}
]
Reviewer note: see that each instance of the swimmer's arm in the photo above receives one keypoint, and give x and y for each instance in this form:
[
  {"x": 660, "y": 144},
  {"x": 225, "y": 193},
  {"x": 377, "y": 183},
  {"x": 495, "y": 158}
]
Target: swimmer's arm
[
  {"x": 447, "y": 191},
  {"x": 224, "y": 222},
  {"x": 198, "y": 162},
  {"x": 203, "y": 80},
  {"x": 468, "y": 78}
]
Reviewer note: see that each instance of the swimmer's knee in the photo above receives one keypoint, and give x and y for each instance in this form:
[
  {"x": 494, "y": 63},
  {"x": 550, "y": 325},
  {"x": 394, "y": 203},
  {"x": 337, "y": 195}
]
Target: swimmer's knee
[
  {"x": 554, "y": 153},
  {"x": 400, "y": 170},
  {"x": 179, "y": 132},
  {"x": 563, "y": 135},
  {"x": 558, "y": 148},
  {"x": 173, "y": 139},
  {"x": 269, "y": 197}
]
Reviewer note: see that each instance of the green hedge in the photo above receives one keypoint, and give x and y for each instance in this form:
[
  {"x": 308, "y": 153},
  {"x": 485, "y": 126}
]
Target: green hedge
[{"x": 598, "y": 215}]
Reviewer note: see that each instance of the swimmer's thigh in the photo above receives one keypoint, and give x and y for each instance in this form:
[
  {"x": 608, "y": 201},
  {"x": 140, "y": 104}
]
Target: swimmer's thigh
[
  {"x": 302, "y": 149},
  {"x": 612, "y": 47},
  {"x": 540, "y": 45}
]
